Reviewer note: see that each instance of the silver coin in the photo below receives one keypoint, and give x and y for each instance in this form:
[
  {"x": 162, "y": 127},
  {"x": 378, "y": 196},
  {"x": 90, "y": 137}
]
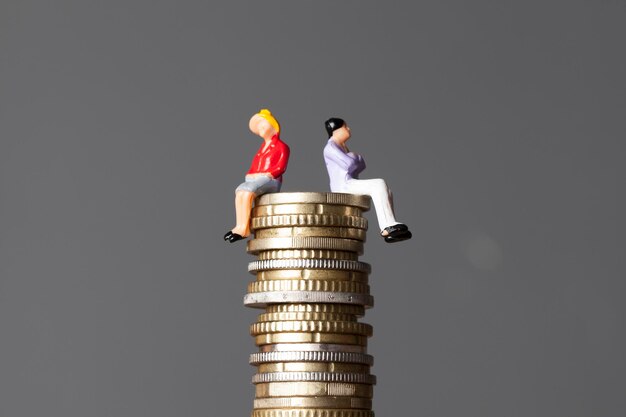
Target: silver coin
[
  {"x": 316, "y": 347},
  {"x": 311, "y": 356},
  {"x": 314, "y": 376},
  {"x": 340, "y": 264},
  {"x": 262, "y": 299}
]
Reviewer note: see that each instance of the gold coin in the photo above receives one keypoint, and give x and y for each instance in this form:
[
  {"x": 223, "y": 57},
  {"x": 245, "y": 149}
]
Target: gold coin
[
  {"x": 339, "y": 327},
  {"x": 357, "y": 200},
  {"x": 311, "y": 412},
  {"x": 331, "y": 274},
  {"x": 305, "y": 242},
  {"x": 290, "y": 316},
  {"x": 306, "y": 389},
  {"x": 312, "y": 347},
  {"x": 332, "y": 338},
  {"x": 287, "y": 220},
  {"x": 308, "y": 285},
  {"x": 308, "y": 254},
  {"x": 317, "y": 402},
  {"x": 304, "y": 209},
  {"x": 313, "y": 367},
  {"x": 337, "y": 232},
  {"x": 318, "y": 308}
]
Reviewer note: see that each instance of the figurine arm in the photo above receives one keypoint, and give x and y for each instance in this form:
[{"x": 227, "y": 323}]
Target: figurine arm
[
  {"x": 336, "y": 155},
  {"x": 259, "y": 174},
  {"x": 360, "y": 165},
  {"x": 280, "y": 166}
]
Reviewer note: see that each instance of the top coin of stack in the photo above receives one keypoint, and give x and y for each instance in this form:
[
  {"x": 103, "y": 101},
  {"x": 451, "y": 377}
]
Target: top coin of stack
[{"x": 312, "y": 358}]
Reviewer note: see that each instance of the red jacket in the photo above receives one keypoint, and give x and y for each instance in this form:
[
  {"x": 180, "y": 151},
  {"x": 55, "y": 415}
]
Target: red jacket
[{"x": 273, "y": 160}]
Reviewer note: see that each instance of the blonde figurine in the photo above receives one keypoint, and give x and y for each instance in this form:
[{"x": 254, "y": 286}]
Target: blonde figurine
[{"x": 265, "y": 174}]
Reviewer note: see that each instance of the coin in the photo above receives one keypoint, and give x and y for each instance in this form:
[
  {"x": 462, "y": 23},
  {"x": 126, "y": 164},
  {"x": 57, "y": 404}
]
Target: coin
[
  {"x": 311, "y": 412},
  {"x": 286, "y": 220},
  {"x": 306, "y": 209},
  {"x": 312, "y": 347},
  {"x": 318, "y": 308},
  {"x": 307, "y": 254},
  {"x": 332, "y": 274},
  {"x": 309, "y": 264},
  {"x": 311, "y": 356},
  {"x": 290, "y": 316},
  {"x": 339, "y": 327},
  {"x": 345, "y": 199},
  {"x": 307, "y": 389},
  {"x": 342, "y": 339},
  {"x": 336, "y": 232},
  {"x": 261, "y": 299},
  {"x": 356, "y": 378},
  {"x": 313, "y": 367},
  {"x": 314, "y": 402},
  {"x": 305, "y": 242},
  {"x": 308, "y": 285}
]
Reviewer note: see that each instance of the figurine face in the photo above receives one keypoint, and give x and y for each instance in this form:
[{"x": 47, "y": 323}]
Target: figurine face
[
  {"x": 342, "y": 134},
  {"x": 260, "y": 126}
]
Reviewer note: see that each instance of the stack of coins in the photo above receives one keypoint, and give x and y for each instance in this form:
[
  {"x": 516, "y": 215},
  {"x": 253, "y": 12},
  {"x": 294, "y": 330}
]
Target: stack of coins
[{"x": 312, "y": 359}]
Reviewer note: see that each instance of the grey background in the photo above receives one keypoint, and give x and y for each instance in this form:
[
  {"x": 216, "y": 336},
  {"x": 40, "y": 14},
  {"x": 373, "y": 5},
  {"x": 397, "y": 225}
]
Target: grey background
[{"x": 123, "y": 133}]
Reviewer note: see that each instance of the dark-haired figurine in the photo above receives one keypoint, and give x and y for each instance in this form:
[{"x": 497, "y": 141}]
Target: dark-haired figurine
[
  {"x": 265, "y": 174},
  {"x": 344, "y": 168}
]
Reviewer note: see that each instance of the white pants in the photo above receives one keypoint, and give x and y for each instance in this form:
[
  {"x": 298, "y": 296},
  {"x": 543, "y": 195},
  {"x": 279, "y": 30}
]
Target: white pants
[{"x": 381, "y": 197}]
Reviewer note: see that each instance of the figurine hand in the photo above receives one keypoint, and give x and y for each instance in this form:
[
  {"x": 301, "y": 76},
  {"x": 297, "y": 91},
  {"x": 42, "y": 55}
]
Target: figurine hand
[{"x": 260, "y": 174}]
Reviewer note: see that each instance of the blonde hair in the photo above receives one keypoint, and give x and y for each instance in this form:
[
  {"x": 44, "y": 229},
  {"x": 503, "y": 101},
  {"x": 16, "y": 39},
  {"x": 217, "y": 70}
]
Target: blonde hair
[{"x": 267, "y": 115}]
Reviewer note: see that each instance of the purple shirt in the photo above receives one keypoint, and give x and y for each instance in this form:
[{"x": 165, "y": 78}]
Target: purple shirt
[{"x": 342, "y": 166}]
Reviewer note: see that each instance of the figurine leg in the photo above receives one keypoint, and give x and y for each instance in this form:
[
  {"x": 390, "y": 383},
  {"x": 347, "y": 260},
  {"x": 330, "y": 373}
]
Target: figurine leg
[
  {"x": 244, "y": 197},
  {"x": 381, "y": 197},
  {"x": 243, "y": 206}
]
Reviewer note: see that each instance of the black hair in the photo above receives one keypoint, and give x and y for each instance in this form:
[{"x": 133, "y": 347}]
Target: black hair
[{"x": 333, "y": 124}]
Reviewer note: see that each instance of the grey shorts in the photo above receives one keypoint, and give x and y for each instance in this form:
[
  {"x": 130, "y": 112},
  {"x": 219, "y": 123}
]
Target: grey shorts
[{"x": 260, "y": 185}]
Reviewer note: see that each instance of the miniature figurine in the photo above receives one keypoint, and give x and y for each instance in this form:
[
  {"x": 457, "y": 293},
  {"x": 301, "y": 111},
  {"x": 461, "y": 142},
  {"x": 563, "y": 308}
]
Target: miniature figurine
[
  {"x": 265, "y": 174},
  {"x": 344, "y": 168}
]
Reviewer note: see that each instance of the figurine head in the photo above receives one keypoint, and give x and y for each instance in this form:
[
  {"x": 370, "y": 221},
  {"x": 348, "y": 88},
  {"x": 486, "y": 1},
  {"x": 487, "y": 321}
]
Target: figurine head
[
  {"x": 338, "y": 129},
  {"x": 264, "y": 124}
]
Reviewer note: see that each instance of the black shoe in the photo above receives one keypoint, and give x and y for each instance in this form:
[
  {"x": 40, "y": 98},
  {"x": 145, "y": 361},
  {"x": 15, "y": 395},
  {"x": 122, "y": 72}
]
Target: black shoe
[
  {"x": 398, "y": 237},
  {"x": 397, "y": 233},
  {"x": 232, "y": 237},
  {"x": 400, "y": 227}
]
